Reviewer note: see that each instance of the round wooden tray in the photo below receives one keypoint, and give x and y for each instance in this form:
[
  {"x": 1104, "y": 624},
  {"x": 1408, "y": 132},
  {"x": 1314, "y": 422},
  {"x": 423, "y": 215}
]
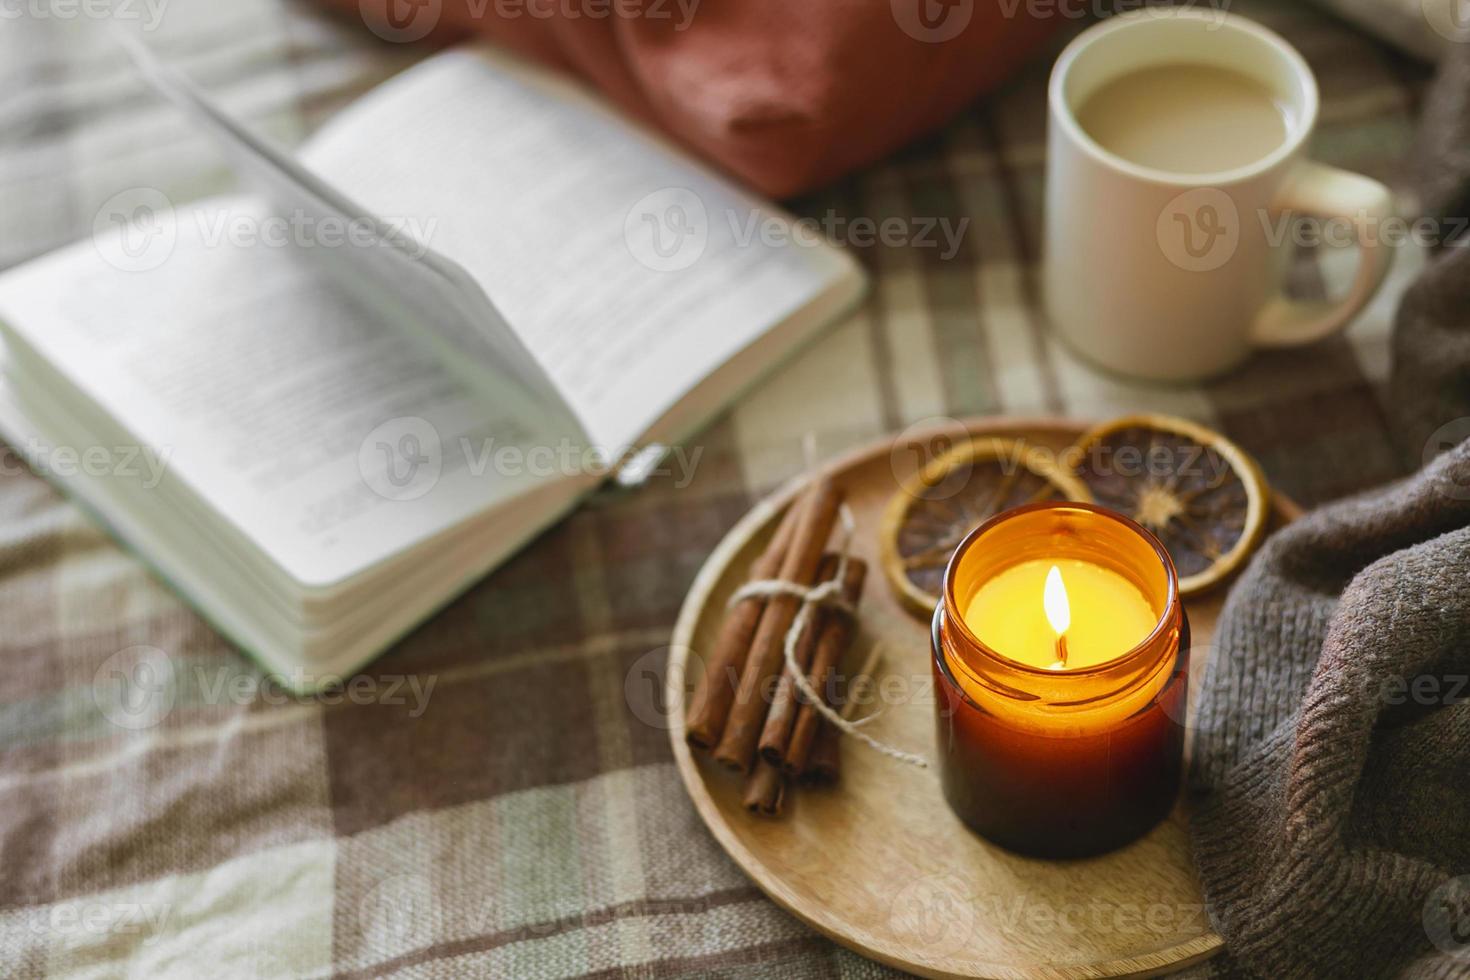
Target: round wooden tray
[{"x": 879, "y": 863}]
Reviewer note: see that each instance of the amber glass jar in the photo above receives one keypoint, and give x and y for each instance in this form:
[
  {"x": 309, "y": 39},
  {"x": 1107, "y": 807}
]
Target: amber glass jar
[{"x": 1071, "y": 762}]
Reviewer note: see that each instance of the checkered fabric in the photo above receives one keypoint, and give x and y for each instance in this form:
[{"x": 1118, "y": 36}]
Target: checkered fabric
[{"x": 496, "y": 800}]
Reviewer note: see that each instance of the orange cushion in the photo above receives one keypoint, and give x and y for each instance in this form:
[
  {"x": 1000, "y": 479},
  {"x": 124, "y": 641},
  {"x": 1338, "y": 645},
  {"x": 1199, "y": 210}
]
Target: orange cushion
[{"x": 784, "y": 94}]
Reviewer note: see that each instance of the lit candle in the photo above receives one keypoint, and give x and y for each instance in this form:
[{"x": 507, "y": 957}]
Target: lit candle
[
  {"x": 1058, "y": 613},
  {"x": 1033, "y": 611},
  {"x": 1060, "y": 654}
]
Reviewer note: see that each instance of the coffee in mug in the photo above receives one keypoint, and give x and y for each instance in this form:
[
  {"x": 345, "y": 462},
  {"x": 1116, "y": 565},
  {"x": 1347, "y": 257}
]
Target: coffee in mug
[
  {"x": 1176, "y": 140},
  {"x": 1188, "y": 119}
]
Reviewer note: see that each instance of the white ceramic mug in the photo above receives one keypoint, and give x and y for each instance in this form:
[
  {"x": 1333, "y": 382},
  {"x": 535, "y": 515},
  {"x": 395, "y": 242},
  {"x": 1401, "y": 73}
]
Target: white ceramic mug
[{"x": 1177, "y": 277}]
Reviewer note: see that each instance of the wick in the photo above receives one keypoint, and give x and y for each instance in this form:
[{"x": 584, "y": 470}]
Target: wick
[{"x": 1061, "y": 650}]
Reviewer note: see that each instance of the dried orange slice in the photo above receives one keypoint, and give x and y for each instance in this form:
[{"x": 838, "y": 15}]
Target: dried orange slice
[
  {"x": 952, "y": 495},
  {"x": 1203, "y": 495}
]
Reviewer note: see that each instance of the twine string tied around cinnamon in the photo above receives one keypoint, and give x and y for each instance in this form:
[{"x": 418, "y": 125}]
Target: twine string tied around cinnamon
[{"x": 823, "y": 595}]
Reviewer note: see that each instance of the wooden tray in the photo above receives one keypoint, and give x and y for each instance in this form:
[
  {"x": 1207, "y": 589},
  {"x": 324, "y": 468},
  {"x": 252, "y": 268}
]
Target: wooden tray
[{"x": 879, "y": 863}]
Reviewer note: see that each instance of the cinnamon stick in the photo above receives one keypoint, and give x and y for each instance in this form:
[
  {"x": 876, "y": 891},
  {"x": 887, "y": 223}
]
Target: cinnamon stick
[
  {"x": 709, "y": 706},
  {"x": 824, "y": 764},
  {"x": 736, "y": 748},
  {"x": 765, "y": 790},
  {"x": 830, "y": 647},
  {"x": 837, "y": 629}
]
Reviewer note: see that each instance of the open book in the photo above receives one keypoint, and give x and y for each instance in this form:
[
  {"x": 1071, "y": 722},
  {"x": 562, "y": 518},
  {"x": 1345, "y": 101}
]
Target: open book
[{"x": 323, "y": 412}]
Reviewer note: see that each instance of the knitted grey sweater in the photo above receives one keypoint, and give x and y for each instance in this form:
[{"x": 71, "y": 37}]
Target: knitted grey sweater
[
  {"x": 1331, "y": 775},
  {"x": 1332, "y": 761}
]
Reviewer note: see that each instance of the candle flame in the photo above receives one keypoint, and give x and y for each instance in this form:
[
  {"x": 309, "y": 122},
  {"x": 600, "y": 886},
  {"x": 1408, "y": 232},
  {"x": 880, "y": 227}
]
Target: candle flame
[{"x": 1058, "y": 609}]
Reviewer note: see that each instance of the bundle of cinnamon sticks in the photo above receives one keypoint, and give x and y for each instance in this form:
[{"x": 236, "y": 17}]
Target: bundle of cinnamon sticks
[{"x": 747, "y": 709}]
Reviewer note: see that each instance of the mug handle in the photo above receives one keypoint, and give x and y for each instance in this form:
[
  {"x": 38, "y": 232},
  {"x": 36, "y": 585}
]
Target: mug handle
[{"x": 1328, "y": 192}]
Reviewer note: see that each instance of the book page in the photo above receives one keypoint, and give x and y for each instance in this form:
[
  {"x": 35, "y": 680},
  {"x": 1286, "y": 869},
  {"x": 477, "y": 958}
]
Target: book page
[
  {"x": 325, "y": 436},
  {"x": 390, "y": 265},
  {"x": 630, "y": 271}
]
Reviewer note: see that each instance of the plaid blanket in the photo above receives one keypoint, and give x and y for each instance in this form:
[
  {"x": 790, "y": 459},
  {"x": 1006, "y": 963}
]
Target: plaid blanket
[{"x": 495, "y": 796}]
